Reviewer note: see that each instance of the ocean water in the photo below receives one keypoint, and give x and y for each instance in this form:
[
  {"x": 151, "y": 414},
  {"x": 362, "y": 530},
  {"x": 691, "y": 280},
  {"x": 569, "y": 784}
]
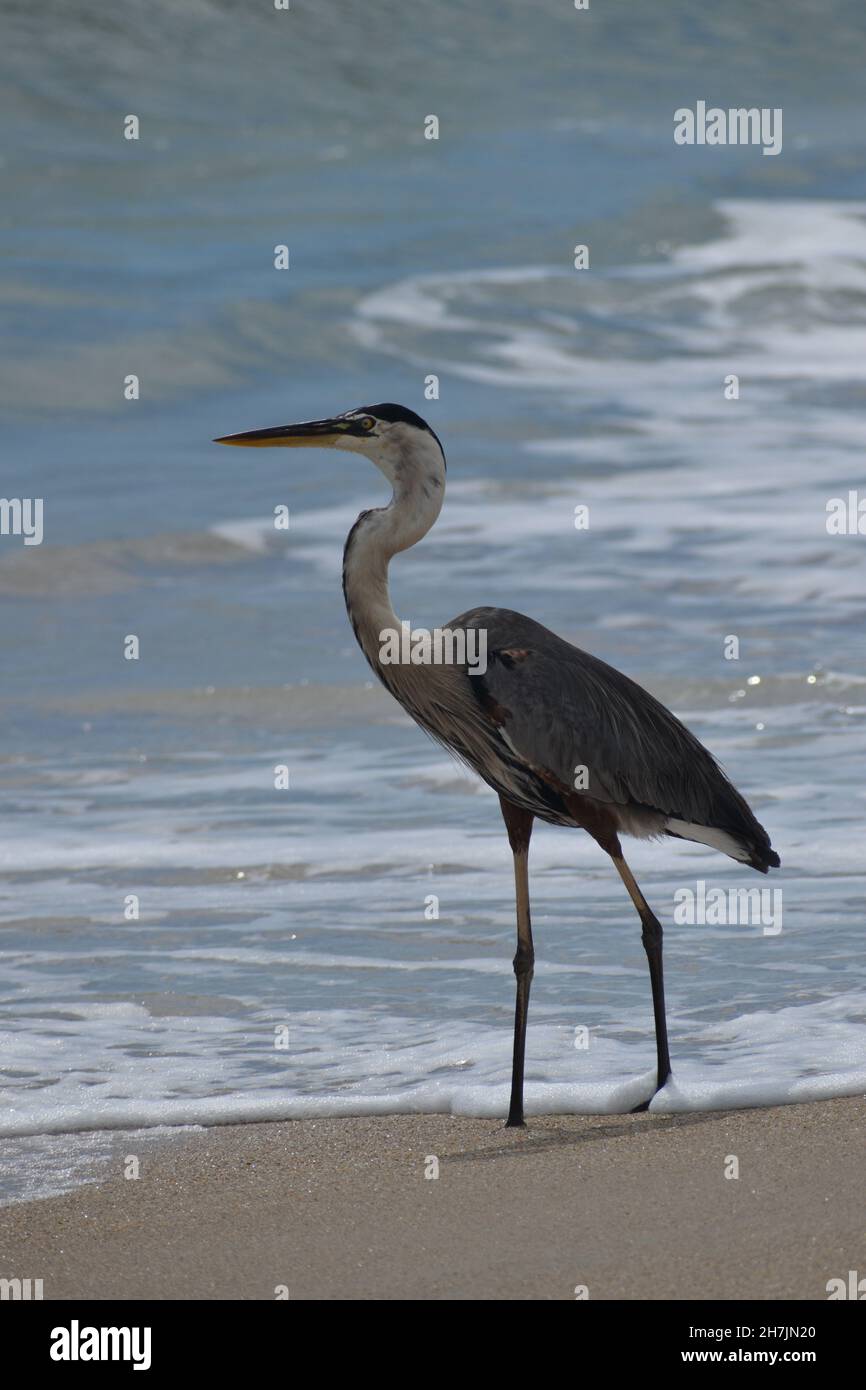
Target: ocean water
[{"x": 286, "y": 959}]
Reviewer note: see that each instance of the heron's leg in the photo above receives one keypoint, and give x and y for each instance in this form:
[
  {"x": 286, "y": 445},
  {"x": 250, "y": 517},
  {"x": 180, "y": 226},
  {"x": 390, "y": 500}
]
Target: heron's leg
[
  {"x": 652, "y": 941},
  {"x": 518, "y": 823}
]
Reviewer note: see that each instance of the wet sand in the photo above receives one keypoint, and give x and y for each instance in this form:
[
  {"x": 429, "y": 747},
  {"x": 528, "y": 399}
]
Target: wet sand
[{"x": 632, "y": 1207}]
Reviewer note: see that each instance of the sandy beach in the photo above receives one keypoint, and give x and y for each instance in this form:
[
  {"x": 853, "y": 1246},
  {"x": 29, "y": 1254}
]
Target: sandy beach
[{"x": 630, "y": 1207}]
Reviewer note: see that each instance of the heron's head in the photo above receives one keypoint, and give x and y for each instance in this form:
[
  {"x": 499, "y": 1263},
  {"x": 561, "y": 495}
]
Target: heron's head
[{"x": 397, "y": 440}]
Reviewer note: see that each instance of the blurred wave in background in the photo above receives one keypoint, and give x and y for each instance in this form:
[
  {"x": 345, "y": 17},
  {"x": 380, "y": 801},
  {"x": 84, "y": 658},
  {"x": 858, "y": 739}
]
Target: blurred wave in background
[{"x": 261, "y": 909}]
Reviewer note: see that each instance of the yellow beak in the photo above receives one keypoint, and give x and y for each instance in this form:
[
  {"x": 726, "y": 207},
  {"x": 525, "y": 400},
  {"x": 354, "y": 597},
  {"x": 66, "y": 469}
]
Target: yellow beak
[{"x": 315, "y": 434}]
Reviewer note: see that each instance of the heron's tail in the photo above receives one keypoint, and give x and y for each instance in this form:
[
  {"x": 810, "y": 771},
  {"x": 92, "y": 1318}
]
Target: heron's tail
[{"x": 752, "y": 847}]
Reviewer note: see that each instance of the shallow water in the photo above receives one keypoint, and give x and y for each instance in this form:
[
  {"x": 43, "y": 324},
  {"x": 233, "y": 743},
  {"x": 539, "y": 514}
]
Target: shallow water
[{"x": 262, "y": 911}]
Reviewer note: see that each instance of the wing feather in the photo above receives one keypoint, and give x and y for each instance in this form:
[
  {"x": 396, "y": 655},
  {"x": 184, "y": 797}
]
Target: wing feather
[{"x": 562, "y": 709}]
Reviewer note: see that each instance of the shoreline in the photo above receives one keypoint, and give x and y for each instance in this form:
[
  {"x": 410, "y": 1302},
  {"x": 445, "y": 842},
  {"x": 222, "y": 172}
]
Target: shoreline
[{"x": 627, "y": 1206}]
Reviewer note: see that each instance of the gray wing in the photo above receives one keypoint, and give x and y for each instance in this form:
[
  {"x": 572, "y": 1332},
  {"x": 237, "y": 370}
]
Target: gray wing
[{"x": 559, "y": 709}]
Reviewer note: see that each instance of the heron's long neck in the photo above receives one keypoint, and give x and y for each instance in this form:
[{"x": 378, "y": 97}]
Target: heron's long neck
[{"x": 374, "y": 539}]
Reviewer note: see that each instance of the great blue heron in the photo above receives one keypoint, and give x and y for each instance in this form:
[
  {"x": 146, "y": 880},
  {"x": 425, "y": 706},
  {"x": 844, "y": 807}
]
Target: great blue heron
[{"x": 540, "y": 711}]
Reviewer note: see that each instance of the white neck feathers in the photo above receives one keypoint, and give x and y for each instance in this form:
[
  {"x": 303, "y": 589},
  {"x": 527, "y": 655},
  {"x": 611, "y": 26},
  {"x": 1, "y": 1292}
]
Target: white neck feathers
[{"x": 419, "y": 487}]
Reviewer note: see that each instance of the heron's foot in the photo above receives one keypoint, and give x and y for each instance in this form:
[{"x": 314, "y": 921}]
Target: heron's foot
[
  {"x": 661, "y": 1082},
  {"x": 515, "y": 1122}
]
